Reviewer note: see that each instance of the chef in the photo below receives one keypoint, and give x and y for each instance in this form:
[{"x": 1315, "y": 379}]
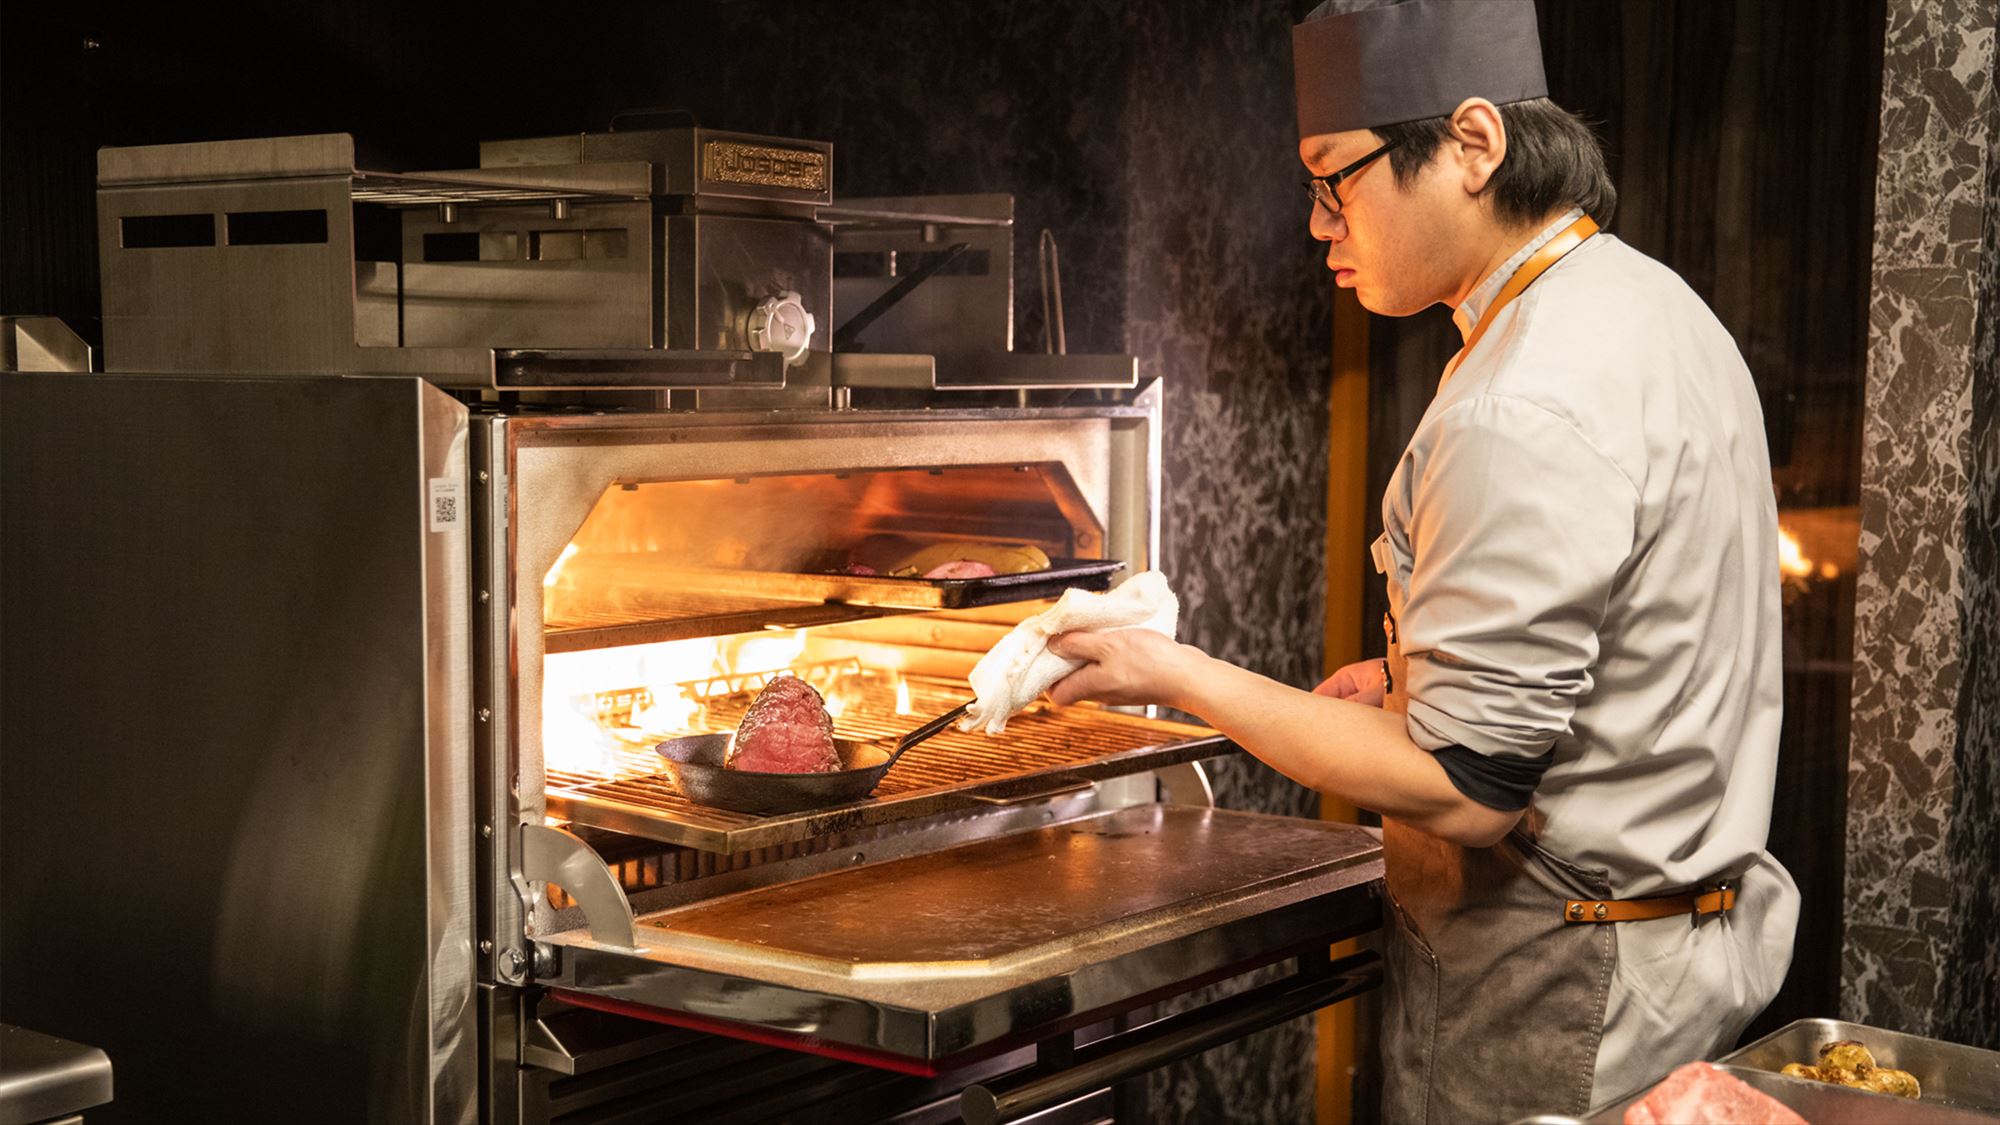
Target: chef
[{"x": 1573, "y": 736}]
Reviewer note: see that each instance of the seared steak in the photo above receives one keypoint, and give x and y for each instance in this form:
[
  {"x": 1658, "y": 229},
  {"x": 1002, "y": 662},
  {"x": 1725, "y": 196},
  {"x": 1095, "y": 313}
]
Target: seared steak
[{"x": 786, "y": 730}]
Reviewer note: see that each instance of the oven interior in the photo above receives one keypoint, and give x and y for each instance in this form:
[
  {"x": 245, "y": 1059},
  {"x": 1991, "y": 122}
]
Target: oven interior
[{"x": 677, "y": 601}]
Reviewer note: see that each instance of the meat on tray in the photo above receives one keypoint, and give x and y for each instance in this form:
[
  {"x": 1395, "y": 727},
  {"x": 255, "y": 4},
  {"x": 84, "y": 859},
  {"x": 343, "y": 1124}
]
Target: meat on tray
[
  {"x": 1700, "y": 1094},
  {"x": 786, "y": 730}
]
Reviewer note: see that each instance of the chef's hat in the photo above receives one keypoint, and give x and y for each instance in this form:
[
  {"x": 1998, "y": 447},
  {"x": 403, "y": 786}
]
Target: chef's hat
[{"x": 1363, "y": 67}]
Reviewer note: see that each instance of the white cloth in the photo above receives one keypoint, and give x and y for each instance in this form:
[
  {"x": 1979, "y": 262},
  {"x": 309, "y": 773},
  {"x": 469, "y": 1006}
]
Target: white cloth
[
  {"x": 1582, "y": 554},
  {"x": 1021, "y": 667}
]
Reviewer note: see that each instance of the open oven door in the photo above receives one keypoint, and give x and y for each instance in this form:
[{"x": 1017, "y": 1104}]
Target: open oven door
[{"x": 926, "y": 963}]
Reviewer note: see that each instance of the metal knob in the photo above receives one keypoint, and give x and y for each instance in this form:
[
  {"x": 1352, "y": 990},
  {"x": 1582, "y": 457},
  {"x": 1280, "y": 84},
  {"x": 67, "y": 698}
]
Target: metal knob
[{"x": 781, "y": 324}]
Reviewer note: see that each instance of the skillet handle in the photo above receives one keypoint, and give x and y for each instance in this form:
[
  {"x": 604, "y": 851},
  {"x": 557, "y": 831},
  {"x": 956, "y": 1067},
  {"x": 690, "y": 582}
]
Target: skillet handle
[{"x": 927, "y": 730}]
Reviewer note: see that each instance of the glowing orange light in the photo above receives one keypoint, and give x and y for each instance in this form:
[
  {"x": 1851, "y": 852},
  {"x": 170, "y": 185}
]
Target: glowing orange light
[
  {"x": 1792, "y": 559},
  {"x": 555, "y": 572}
]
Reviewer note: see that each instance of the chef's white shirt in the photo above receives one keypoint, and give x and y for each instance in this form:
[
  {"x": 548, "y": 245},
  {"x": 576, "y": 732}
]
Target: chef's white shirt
[{"x": 1582, "y": 555}]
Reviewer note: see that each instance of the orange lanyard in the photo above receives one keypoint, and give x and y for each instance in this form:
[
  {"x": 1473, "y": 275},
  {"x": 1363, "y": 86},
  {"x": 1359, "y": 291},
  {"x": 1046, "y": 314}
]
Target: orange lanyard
[{"x": 1551, "y": 252}]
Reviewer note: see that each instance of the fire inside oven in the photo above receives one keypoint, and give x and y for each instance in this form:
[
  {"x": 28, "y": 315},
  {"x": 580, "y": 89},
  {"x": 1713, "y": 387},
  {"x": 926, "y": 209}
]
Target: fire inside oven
[{"x": 677, "y": 601}]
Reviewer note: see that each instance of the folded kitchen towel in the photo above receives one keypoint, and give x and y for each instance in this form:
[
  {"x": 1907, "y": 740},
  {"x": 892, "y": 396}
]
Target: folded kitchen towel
[{"x": 1021, "y": 667}]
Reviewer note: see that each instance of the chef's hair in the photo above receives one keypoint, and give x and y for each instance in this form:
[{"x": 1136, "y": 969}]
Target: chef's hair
[{"x": 1554, "y": 161}]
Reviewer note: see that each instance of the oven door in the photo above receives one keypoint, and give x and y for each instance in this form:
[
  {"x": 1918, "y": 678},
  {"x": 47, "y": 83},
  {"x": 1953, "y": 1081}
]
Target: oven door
[{"x": 927, "y": 962}]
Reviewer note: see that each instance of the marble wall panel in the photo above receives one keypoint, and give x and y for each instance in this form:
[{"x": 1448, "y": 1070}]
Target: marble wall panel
[
  {"x": 1920, "y": 600},
  {"x": 1974, "y": 835}
]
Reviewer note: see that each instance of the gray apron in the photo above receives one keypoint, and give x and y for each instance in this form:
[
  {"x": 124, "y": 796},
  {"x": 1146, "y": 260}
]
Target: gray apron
[{"x": 1493, "y": 1005}]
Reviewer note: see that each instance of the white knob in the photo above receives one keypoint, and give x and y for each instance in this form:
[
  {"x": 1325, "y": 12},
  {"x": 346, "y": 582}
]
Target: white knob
[{"x": 782, "y": 324}]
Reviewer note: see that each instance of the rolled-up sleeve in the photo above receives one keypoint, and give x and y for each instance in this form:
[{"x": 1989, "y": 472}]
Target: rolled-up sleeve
[{"x": 1518, "y": 528}]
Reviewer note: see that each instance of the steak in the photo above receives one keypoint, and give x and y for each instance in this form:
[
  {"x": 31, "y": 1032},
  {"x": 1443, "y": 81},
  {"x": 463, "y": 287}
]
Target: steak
[
  {"x": 1699, "y": 1094},
  {"x": 786, "y": 730}
]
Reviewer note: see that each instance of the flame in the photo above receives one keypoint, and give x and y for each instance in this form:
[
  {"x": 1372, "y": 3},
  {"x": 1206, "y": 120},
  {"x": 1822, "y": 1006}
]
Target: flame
[
  {"x": 574, "y": 742},
  {"x": 1792, "y": 560},
  {"x": 679, "y": 676},
  {"x": 554, "y": 575},
  {"x": 903, "y": 697}
]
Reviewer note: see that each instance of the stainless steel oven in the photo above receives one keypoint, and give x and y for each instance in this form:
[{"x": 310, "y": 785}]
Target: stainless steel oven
[{"x": 333, "y": 693}]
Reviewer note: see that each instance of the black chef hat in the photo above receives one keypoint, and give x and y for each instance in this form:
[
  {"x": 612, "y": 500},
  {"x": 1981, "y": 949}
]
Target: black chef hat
[{"x": 1408, "y": 60}]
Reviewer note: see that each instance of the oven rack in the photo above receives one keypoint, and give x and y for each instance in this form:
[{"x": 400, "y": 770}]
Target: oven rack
[
  {"x": 1044, "y": 749},
  {"x": 679, "y": 605}
]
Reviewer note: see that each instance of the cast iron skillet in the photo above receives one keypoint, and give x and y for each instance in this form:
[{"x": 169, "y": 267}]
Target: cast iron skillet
[{"x": 696, "y": 763}]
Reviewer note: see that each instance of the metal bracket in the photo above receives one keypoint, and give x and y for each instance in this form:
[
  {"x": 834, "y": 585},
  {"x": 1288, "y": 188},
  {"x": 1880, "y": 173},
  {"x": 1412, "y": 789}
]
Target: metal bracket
[
  {"x": 541, "y": 1047},
  {"x": 42, "y": 343},
  {"x": 1185, "y": 784},
  {"x": 551, "y": 855}
]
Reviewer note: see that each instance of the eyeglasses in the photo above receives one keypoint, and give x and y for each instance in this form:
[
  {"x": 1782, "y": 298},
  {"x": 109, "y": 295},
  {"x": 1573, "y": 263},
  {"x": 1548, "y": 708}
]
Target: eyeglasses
[{"x": 1325, "y": 190}]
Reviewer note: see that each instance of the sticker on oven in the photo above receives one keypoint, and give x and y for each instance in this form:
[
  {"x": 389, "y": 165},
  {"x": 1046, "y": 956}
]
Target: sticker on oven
[{"x": 447, "y": 504}]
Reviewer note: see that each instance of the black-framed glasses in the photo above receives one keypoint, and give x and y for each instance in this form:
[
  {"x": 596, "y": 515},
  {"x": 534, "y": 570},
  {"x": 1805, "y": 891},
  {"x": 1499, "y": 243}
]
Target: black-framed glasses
[{"x": 1325, "y": 190}]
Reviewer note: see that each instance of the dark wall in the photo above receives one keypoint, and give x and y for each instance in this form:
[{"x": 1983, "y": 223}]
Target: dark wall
[
  {"x": 1742, "y": 137},
  {"x": 1155, "y": 138}
]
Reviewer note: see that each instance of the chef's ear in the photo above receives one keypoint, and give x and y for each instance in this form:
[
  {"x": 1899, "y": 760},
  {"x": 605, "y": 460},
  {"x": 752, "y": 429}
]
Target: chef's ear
[{"x": 1479, "y": 140}]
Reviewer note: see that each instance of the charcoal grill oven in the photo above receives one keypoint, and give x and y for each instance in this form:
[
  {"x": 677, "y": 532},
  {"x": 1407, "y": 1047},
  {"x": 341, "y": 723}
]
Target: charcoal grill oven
[{"x": 426, "y": 840}]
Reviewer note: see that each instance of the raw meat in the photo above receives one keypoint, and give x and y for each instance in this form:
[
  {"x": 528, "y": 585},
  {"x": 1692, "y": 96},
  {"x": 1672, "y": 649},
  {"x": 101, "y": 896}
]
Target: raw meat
[
  {"x": 960, "y": 568},
  {"x": 1699, "y": 1094},
  {"x": 786, "y": 730}
]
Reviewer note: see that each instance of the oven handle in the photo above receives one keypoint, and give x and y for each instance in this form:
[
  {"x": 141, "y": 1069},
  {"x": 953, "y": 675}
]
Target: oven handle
[{"x": 1116, "y": 1058}]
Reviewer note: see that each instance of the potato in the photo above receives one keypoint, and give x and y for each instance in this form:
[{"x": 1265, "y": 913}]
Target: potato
[
  {"x": 1888, "y": 1080},
  {"x": 1846, "y": 1055},
  {"x": 1801, "y": 1070}
]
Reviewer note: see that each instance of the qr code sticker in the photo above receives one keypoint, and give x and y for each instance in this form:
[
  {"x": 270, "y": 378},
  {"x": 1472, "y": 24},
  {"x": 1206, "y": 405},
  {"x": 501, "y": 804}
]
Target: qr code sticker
[{"x": 445, "y": 495}]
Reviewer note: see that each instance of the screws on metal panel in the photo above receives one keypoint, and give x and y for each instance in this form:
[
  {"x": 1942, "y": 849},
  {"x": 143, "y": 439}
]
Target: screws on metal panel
[
  {"x": 486, "y": 830},
  {"x": 485, "y": 713},
  {"x": 485, "y": 946},
  {"x": 482, "y": 476}
]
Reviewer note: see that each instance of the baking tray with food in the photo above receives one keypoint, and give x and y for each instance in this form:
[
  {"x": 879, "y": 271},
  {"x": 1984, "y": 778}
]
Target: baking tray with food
[
  {"x": 942, "y": 576},
  {"x": 1821, "y": 1071},
  {"x": 1873, "y": 1058}
]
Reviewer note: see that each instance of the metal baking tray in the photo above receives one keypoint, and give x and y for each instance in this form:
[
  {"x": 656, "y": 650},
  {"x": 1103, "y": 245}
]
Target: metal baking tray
[
  {"x": 1818, "y": 1102},
  {"x": 1965, "y": 1077},
  {"x": 907, "y": 593},
  {"x": 1961, "y": 1085}
]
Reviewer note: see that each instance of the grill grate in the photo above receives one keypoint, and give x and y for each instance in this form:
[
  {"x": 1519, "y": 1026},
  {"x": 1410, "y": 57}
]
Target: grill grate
[{"x": 1044, "y": 748}]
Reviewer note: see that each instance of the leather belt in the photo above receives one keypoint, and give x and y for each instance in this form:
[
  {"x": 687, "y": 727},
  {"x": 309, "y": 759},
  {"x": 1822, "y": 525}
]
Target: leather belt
[{"x": 1695, "y": 905}]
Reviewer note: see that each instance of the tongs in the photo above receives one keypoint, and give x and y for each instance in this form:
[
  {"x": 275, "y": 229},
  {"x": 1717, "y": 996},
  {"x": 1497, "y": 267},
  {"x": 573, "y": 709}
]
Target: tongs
[{"x": 696, "y": 761}]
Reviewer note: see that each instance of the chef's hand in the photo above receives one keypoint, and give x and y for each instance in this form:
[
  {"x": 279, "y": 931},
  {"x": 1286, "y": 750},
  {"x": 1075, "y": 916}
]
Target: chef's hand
[
  {"x": 1127, "y": 667},
  {"x": 1359, "y": 682}
]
